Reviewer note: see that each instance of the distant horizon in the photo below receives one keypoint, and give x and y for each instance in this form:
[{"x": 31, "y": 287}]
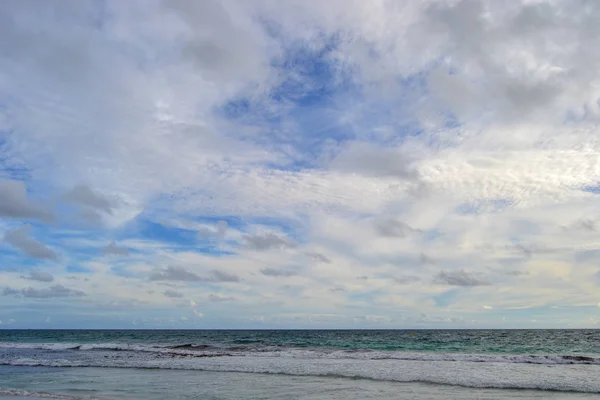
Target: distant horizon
[{"x": 288, "y": 329}]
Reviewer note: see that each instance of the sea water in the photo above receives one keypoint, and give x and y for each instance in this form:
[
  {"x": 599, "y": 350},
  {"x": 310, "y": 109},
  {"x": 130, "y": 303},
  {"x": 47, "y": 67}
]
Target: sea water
[{"x": 311, "y": 364}]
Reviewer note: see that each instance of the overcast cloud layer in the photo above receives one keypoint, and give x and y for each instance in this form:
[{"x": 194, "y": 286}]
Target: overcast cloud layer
[{"x": 299, "y": 164}]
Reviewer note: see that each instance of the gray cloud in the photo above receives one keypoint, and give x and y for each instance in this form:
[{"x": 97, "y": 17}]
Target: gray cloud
[
  {"x": 391, "y": 227},
  {"x": 217, "y": 298},
  {"x": 586, "y": 225},
  {"x": 176, "y": 273},
  {"x": 526, "y": 251},
  {"x": 424, "y": 259},
  {"x": 51, "y": 292},
  {"x": 91, "y": 217},
  {"x": 173, "y": 294},
  {"x": 267, "y": 241},
  {"x": 41, "y": 276},
  {"x": 20, "y": 239},
  {"x": 458, "y": 278},
  {"x": 113, "y": 249},
  {"x": 480, "y": 43},
  {"x": 509, "y": 272},
  {"x": 220, "y": 276},
  {"x": 319, "y": 257},
  {"x": 404, "y": 280},
  {"x": 231, "y": 51},
  {"x": 14, "y": 202},
  {"x": 85, "y": 196},
  {"x": 277, "y": 272},
  {"x": 370, "y": 160},
  {"x": 9, "y": 291}
]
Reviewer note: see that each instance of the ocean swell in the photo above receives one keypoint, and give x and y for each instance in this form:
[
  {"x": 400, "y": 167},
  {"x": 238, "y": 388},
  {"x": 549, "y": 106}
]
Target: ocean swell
[{"x": 204, "y": 350}]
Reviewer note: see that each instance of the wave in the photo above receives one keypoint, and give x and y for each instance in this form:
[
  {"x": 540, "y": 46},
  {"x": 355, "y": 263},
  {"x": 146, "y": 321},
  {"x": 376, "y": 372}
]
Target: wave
[
  {"x": 493, "y": 376},
  {"x": 205, "y": 350},
  {"x": 39, "y": 395}
]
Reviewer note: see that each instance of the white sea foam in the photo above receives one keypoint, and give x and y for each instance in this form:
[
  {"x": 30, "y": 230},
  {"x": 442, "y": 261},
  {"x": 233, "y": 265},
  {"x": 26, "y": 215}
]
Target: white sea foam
[
  {"x": 315, "y": 353},
  {"x": 549, "y": 372},
  {"x": 39, "y": 395},
  {"x": 575, "y": 378}
]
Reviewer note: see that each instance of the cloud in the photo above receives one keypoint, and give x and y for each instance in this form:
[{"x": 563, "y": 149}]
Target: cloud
[
  {"x": 277, "y": 272},
  {"x": 173, "y": 294},
  {"x": 41, "y": 276},
  {"x": 319, "y": 257},
  {"x": 426, "y": 129},
  {"x": 458, "y": 278},
  {"x": 218, "y": 298},
  {"x": 87, "y": 197},
  {"x": 268, "y": 241},
  {"x": 218, "y": 231},
  {"x": 20, "y": 239},
  {"x": 527, "y": 252},
  {"x": 370, "y": 160},
  {"x": 15, "y": 204},
  {"x": 404, "y": 280},
  {"x": 424, "y": 259},
  {"x": 55, "y": 291},
  {"x": 177, "y": 273},
  {"x": 113, "y": 249},
  {"x": 220, "y": 276},
  {"x": 508, "y": 272},
  {"x": 391, "y": 227}
]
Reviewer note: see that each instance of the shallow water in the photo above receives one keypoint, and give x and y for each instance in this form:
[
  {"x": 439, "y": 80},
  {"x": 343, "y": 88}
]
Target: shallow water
[{"x": 109, "y": 383}]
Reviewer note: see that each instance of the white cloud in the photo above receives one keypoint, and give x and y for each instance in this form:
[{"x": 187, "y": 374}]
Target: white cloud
[{"x": 445, "y": 146}]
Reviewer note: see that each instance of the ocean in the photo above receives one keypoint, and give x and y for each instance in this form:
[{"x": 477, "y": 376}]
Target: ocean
[{"x": 300, "y": 364}]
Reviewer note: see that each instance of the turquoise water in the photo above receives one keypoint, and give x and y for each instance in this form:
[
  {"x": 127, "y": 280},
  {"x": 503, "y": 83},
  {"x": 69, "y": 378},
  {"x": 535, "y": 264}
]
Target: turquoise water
[
  {"x": 392, "y": 363},
  {"x": 565, "y": 342}
]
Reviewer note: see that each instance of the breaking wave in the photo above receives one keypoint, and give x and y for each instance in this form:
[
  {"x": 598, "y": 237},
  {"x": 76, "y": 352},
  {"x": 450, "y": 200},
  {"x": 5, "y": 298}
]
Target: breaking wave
[
  {"x": 205, "y": 350},
  {"x": 39, "y": 395}
]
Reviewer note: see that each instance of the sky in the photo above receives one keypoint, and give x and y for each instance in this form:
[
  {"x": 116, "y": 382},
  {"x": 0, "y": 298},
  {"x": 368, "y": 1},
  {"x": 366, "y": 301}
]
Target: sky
[{"x": 299, "y": 164}]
